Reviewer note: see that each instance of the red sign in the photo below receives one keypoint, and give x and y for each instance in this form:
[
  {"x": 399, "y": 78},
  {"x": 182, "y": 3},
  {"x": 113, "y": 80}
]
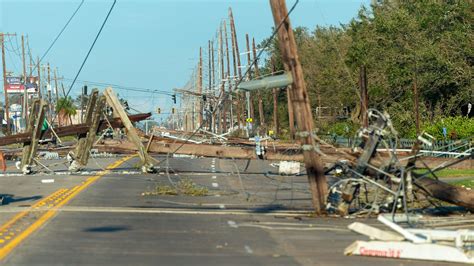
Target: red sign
[{"x": 14, "y": 88}]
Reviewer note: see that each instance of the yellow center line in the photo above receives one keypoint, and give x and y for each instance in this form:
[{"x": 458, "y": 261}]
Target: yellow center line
[{"x": 5, "y": 250}]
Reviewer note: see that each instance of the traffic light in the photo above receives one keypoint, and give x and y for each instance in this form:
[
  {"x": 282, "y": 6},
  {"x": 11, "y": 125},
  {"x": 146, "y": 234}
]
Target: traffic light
[
  {"x": 158, "y": 110},
  {"x": 204, "y": 98},
  {"x": 174, "y": 98},
  {"x": 172, "y": 110}
]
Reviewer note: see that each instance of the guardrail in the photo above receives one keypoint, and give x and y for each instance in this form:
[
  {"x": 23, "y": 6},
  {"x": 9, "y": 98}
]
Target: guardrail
[{"x": 440, "y": 148}]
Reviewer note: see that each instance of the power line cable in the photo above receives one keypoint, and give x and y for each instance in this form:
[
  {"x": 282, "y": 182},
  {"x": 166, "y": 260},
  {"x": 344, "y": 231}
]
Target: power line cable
[
  {"x": 92, "y": 47},
  {"x": 122, "y": 87}
]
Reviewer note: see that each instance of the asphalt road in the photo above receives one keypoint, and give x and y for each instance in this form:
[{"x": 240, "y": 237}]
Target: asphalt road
[{"x": 249, "y": 216}]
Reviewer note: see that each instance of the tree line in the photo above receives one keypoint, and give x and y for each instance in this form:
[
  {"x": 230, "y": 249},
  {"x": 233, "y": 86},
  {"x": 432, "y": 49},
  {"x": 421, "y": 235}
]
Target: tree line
[{"x": 402, "y": 44}]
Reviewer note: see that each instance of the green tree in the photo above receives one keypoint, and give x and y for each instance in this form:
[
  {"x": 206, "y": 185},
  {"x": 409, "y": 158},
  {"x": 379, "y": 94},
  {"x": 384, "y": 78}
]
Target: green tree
[{"x": 65, "y": 108}]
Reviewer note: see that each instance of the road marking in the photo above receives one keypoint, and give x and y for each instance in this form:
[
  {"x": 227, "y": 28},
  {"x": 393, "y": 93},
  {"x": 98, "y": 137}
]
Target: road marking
[
  {"x": 222, "y": 206},
  {"x": 248, "y": 249},
  {"x": 232, "y": 224},
  {"x": 53, "y": 202},
  {"x": 215, "y": 185},
  {"x": 214, "y": 177}
]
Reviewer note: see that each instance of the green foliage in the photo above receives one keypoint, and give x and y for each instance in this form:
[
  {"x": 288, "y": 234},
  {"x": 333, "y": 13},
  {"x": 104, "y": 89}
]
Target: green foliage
[
  {"x": 66, "y": 106},
  {"x": 457, "y": 127},
  {"x": 402, "y": 44},
  {"x": 345, "y": 128}
]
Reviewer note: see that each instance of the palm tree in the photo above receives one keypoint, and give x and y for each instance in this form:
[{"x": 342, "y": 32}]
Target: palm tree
[{"x": 65, "y": 108}]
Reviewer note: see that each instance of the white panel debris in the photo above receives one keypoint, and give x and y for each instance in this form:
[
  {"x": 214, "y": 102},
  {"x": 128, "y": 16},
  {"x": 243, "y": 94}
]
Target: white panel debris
[
  {"x": 420, "y": 244},
  {"x": 289, "y": 168}
]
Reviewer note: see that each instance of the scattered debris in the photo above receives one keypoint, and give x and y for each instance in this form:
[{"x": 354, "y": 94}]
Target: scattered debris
[
  {"x": 407, "y": 243},
  {"x": 185, "y": 186}
]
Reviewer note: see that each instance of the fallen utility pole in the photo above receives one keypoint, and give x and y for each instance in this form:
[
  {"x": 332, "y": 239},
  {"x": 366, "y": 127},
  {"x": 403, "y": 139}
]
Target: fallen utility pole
[
  {"x": 299, "y": 95},
  {"x": 71, "y": 130},
  {"x": 113, "y": 101}
]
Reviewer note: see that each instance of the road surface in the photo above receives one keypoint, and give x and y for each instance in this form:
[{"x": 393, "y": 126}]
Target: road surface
[{"x": 250, "y": 216}]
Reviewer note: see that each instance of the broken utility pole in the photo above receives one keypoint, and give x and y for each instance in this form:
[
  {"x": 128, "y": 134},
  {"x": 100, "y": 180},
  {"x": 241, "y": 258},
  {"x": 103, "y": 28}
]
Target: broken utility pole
[
  {"x": 94, "y": 110},
  {"x": 113, "y": 101},
  {"x": 299, "y": 95},
  {"x": 35, "y": 124}
]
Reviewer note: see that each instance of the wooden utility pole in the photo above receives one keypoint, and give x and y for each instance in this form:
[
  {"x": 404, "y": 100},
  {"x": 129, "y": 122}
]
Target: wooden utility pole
[
  {"x": 276, "y": 125},
  {"x": 48, "y": 88},
  {"x": 237, "y": 70},
  {"x": 25, "y": 80},
  {"x": 261, "y": 115},
  {"x": 229, "y": 82},
  {"x": 416, "y": 101},
  {"x": 249, "y": 76},
  {"x": 291, "y": 116},
  {"x": 39, "y": 78},
  {"x": 299, "y": 95},
  {"x": 209, "y": 68},
  {"x": 364, "y": 97},
  {"x": 199, "y": 88},
  {"x": 5, "y": 83},
  {"x": 56, "y": 84},
  {"x": 223, "y": 116}
]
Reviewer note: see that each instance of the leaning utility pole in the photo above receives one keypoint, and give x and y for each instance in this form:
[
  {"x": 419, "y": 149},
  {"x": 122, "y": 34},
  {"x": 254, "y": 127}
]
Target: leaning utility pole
[
  {"x": 364, "y": 97},
  {"x": 261, "y": 115},
  {"x": 237, "y": 70},
  {"x": 25, "y": 80},
  {"x": 299, "y": 95},
  {"x": 223, "y": 116},
  {"x": 229, "y": 83}
]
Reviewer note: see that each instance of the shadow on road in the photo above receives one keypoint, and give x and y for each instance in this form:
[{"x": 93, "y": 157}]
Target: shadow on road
[
  {"x": 107, "y": 229},
  {"x": 8, "y": 198}
]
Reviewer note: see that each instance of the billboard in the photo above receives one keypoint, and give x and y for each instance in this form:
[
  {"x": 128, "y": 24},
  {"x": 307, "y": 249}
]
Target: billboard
[{"x": 15, "y": 85}]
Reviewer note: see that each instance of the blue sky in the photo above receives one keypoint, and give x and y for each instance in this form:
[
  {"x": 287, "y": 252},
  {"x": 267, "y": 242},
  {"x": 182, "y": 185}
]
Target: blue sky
[{"x": 146, "y": 43}]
